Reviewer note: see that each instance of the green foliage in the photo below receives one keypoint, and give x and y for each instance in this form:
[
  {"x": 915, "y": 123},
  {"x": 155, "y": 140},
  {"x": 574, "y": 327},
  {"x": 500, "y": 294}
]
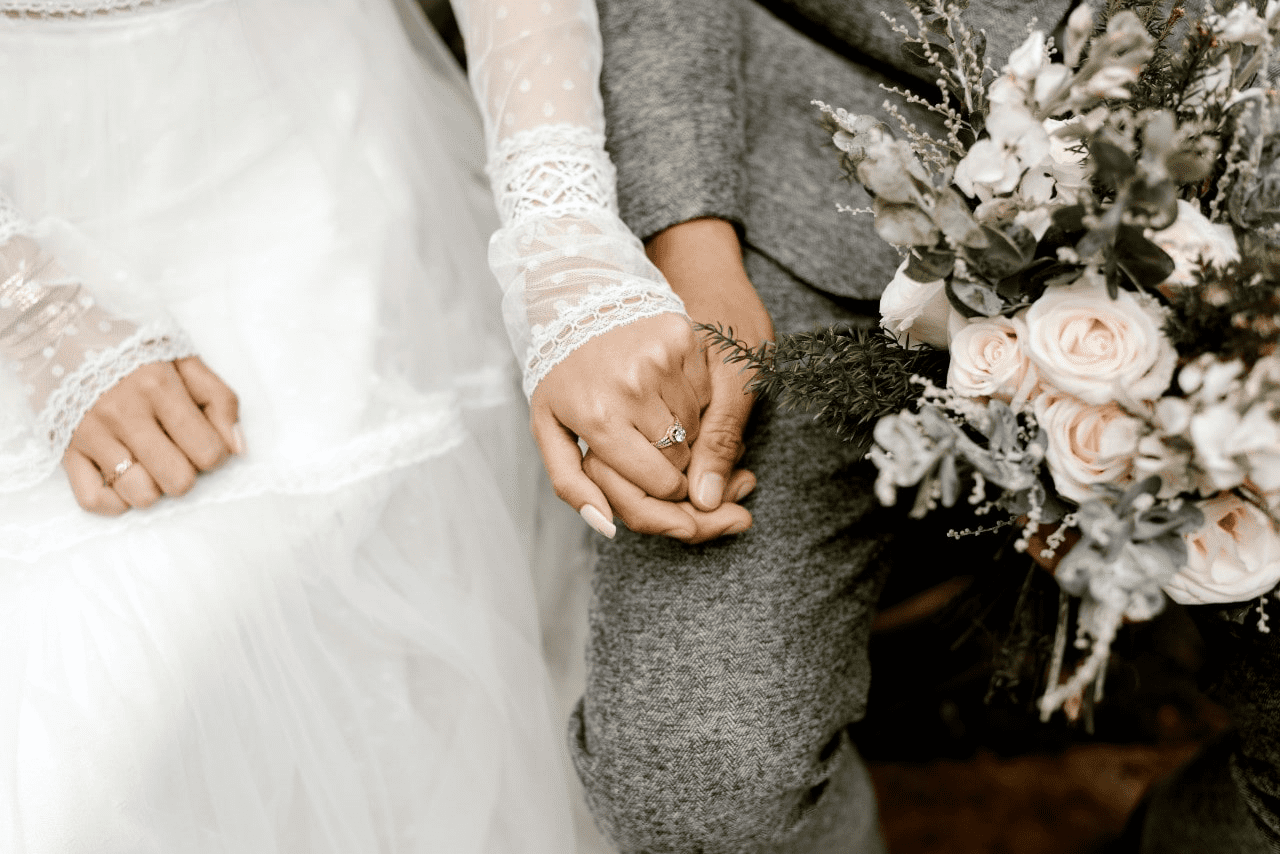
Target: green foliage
[
  {"x": 847, "y": 378},
  {"x": 1232, "y": 314}
]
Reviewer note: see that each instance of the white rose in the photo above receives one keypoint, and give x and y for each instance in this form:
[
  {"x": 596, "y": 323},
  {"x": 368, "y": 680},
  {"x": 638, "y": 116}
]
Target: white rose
[
  {"x": 1088, "y": 444},
  {"x": 1234, "y": 557},
  {"x": 1192, "y": 238},
  {"x": 916, "y": 312},
  {"x": 986, "y": 360},
  {"x": 1097, "y": 348}
]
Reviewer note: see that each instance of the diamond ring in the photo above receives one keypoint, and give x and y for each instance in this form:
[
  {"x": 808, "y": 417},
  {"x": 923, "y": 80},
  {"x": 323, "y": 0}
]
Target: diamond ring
[
  {"x": 109, "y": 479},
  {"x": 674, "y": 436}
]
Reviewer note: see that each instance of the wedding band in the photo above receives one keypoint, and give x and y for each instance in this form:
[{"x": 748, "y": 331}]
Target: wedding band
[
  {"x": 675, "y": 435},
  {"x": 109, "y": 479}
]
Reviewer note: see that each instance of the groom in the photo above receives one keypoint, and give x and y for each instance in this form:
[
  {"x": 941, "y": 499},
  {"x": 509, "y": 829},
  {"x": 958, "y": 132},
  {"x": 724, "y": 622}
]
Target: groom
[{"x": 723, "y": 677}]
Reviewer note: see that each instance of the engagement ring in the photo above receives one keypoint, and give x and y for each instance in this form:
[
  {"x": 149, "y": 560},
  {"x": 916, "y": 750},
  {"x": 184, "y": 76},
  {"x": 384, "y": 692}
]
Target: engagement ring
[
  {"x": 675, "y": 435},
  {"x": 109, "y": 479}
]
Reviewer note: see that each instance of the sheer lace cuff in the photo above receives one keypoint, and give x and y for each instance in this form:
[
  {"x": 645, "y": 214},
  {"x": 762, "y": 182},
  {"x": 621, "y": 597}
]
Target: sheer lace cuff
[
  {"x": 570, "y": 269},
  {"x": 65, "y": 350},
  {"x": 570, "y": 279},
  {"x": 552, "y": 170}
]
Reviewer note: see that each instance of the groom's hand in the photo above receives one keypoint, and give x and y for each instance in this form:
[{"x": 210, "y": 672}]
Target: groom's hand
[{"x": 702, "y": 259}]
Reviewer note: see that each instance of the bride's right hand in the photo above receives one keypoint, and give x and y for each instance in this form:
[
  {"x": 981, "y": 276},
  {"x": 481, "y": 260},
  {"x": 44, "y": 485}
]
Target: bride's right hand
[
  {"x": 159, "y": 427},
  {"x": 619, "y": 393}
]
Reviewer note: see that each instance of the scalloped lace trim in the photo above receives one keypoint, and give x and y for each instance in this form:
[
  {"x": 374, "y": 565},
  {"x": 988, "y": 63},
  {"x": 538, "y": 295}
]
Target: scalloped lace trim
[
  {"x": 601, "y": 309},
  {"x": 72, "y": 8},
  {"x": 80, "y": 389},
  {"x": 552, "y": 170}
]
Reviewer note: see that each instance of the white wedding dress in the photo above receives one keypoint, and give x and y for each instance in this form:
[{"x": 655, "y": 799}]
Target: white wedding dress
[{"x": 330, "y": 645}]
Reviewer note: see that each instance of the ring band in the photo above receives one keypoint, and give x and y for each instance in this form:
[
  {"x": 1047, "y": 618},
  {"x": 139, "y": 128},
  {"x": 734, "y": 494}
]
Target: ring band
[
  {"x": 674, "y": 436},
  {"x": 109, "y": 479}
]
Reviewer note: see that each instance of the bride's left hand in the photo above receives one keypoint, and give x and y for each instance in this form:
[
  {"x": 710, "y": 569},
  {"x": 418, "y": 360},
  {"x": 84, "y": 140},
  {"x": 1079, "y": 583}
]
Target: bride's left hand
[{"x": 152, "y": 434}]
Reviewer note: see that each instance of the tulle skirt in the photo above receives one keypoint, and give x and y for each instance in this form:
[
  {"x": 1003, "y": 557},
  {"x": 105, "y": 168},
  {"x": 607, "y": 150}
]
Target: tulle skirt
[{"x": 329, "y": 645}]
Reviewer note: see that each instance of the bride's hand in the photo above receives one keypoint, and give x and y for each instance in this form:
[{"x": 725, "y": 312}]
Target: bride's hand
[
  {"x": 151, "y": 435},
  {"x": 620, "y": 392}
]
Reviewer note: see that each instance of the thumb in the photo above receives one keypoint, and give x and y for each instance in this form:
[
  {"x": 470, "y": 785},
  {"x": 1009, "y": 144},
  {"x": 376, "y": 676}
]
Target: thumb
[{"x": 718, "y": 447}]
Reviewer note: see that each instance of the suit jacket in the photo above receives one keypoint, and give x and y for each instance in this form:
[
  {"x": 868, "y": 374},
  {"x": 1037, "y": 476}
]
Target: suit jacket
[{"x": 709, "y": 113}]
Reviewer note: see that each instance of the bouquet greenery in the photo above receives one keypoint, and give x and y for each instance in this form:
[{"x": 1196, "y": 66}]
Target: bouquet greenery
[{"x": 1082, "y": 333}]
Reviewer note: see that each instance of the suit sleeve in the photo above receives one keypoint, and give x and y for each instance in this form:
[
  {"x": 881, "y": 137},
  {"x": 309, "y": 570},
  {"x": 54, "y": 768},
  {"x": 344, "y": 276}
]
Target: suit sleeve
[{"x": 675, "y": 109}]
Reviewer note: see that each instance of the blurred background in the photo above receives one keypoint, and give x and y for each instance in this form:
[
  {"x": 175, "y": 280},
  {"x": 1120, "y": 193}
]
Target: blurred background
[{"x": 961, "y": 762}]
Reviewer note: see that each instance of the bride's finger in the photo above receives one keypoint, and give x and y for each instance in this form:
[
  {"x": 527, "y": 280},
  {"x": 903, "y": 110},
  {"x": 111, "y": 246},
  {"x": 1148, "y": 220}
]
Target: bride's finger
[
  {"x": 189, "y": 429},
  {"x": 116, "y": 466},
  {"x": 648, "y": 515},
  {"x": 563, "y": 459},
  {"x": 167, "y": 465},
  {"x": 136, "y": 486},
  {"x": 632, "y": 453},
  {"x": 87, "y": 486}
]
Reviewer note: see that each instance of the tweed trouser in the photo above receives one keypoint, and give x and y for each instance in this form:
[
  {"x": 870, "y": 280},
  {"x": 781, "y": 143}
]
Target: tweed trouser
[{"x": 721, "y": 677}]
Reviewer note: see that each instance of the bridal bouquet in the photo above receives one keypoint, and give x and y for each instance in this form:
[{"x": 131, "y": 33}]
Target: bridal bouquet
[{"x": 1082, "y": 333}]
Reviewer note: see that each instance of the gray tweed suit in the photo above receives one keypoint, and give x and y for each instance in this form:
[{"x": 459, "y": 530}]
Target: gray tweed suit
[{"x": 722, "y": 677}]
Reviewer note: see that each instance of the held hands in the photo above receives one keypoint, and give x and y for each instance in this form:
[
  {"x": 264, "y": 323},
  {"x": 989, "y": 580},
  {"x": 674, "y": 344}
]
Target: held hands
[
  {"x": 151, "y": 435},
  {"x": 621, "y": 392}
]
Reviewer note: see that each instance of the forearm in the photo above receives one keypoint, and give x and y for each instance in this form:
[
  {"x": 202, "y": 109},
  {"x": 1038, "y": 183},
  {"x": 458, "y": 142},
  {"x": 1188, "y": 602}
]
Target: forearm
[{"x": 702, "y": 259}]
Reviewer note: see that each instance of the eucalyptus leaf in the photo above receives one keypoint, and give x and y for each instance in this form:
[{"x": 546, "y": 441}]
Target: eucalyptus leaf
[
  {"x": 929, "y": 265},
  {"x": 904, "y": 225},
  {"x": 951, "y": 214},
  {"x": 974, "y": 299},
  {"x": 1145, "y": 263},
  {"x": 1007, "y": 251},
  {"x": 1028, "y": 283}
]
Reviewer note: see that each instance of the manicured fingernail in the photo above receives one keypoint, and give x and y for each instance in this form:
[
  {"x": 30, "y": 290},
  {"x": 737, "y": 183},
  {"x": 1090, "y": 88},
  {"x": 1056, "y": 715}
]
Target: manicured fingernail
[
  {"x": 597, "y": 520},
  {"x": 710, "y": 489},
  {"x": 744, "y": 489},
  {"x": 736, "y": 528},
  {"x": 237, "y": 440}
]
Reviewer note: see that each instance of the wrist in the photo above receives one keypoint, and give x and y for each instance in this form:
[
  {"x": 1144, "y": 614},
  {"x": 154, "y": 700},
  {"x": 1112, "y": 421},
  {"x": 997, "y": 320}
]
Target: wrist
[{"x": 702, "y": 260}]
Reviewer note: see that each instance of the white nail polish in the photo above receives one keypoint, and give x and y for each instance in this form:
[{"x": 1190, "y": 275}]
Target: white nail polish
[
  {"x": 596, "y": 519},
  {"x": 237, "y": 440}
]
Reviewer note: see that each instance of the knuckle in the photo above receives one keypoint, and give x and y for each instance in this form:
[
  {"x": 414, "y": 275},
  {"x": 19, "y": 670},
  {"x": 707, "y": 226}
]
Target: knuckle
[
  {"x": 722, "y": 442},
  {"x": 152, "y": 379}
]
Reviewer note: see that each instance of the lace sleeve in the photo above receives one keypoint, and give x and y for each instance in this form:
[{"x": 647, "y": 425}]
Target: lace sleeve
[
  {"x": 570, "y": 270},
  {"x": 63, "y": 349}
]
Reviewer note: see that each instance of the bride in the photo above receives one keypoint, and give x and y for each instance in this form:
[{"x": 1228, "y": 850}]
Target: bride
[{"x": 264, "y": 498}]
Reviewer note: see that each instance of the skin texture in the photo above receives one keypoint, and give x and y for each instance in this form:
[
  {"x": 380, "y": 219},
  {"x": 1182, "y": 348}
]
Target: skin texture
[
  {"x": 604, "y": 394},
  {"x": 175, "y": 420}
]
